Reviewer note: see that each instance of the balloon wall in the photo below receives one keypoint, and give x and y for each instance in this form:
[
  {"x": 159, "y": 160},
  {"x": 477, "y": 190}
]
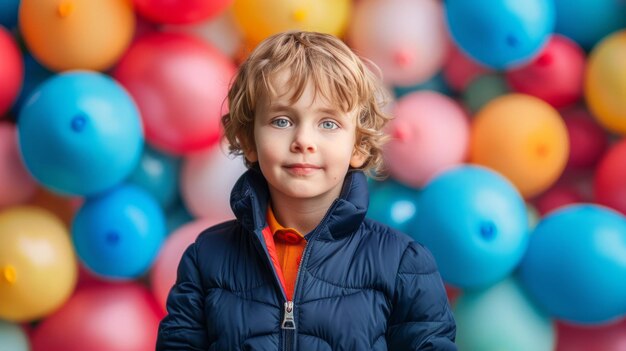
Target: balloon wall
[{"x": 507, "y": 157}]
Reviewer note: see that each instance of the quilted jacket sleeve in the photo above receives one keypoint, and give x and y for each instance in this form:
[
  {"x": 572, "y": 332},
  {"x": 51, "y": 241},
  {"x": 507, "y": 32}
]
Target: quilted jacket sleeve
[
  {"x": 184, "y": 326},
  {"x": 421, "y": 318}
]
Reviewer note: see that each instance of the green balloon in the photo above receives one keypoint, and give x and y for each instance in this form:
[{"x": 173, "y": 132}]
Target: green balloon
[
  {"x": 12, "y": 337},
  {"x": 501, "y": 318},
  {"x": 483, "y": 89}
]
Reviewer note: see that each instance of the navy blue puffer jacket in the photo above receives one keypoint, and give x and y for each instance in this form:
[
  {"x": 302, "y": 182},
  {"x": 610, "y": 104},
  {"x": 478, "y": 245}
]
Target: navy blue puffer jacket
[{"x": 361, "y": 285}]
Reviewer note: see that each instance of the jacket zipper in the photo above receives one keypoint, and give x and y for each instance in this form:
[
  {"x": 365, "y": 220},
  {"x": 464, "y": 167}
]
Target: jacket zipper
[{"x": 289, "y": 322}]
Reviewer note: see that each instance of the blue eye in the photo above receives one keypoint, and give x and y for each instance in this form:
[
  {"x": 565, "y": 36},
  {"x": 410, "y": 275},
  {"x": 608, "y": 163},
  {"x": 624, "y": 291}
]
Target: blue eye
[
  {"x": 281, "y": 123},
  {"x": 329, "y": 125}
]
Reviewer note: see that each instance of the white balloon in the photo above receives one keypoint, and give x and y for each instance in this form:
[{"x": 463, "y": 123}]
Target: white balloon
[
  {"x": 207, "y": 178},
  {"x": 221, "y": 32},
  {"x": 407, "y": 39}
]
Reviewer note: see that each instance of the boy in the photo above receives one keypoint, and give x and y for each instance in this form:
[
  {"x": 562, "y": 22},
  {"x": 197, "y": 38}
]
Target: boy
[{"x": 301, "y": 268}]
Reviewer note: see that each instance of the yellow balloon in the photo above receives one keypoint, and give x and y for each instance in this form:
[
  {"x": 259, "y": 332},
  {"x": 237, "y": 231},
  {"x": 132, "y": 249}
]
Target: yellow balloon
[
  {"x": 260, "y": 19},
  {"x": 77, "y": 34},
  {"x": 523, "y": 138},
  {"x": 38, "y": 268},
  {"x": 605, "y": 82}
]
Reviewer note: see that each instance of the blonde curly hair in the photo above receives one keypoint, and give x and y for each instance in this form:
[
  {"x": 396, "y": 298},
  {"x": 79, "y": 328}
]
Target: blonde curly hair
[{"x": 338, "y": 74}]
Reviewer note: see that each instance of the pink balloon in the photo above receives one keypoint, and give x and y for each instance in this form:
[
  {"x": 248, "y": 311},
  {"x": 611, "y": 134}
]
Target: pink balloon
[
  {"x": 163, "y": 274},
  {"x": 588, "y": 141},
  {"x": 555, "y": 75},
  {"x": 188, "y": 11},
  {"x": 429, "y": 134},
  {"x": 16, "y": 184},
  {"x": 102, "y": 317},
  {"x": 406, "y": 38},
  {"x": 207, "y": 178},
  {"x": 611, "y": 337},
  {"x": 459, "y": 70},
  {"x": 180, "y": 84},
  {"x": 11, "y": 70}
]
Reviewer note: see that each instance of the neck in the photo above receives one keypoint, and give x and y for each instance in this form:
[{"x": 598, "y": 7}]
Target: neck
[{"x": 301, "y": 214}]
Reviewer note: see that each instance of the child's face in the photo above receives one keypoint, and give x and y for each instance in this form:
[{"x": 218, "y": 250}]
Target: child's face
[{"x": 304, "y": 149}]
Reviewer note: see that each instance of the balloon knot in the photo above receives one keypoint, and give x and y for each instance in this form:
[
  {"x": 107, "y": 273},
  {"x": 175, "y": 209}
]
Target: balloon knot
[
  {"x": 65, "y": 9},
  {"x": 300, "y": 15},
  {"x": 8, "y": 274}
]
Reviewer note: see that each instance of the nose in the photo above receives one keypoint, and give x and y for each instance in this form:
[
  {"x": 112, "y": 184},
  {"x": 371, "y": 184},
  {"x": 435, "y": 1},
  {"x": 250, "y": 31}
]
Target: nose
[{"x": 303, "y": 141}]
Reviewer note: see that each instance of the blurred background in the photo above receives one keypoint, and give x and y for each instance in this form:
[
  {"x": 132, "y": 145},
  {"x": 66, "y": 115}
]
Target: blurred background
[{"x": 507, "y": 157}]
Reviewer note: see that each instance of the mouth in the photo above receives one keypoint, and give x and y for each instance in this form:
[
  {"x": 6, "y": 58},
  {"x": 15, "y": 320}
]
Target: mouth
[{"x": 301, "y": 168}]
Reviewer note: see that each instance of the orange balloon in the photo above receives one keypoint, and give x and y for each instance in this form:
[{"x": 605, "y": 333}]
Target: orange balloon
[
  {"x": 260, "y": 19},
  {"x": 38, "y": 268},
  {"x": 77, "y": 34},
  {"x": 523, "y": 138},
  {"x": 605, "y": 82}
]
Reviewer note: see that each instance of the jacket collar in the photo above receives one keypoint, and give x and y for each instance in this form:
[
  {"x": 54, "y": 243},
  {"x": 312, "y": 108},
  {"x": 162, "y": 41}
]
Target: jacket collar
[{"x": 250, "y": 196}]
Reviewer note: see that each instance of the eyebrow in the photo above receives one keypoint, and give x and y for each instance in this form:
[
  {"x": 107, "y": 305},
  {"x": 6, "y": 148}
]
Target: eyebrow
[{"x": 280, "y": 107}]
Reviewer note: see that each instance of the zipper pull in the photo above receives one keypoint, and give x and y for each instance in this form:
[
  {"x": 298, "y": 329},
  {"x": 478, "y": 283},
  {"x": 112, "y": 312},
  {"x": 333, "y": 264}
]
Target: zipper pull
[{"x": 288, "y": 322}]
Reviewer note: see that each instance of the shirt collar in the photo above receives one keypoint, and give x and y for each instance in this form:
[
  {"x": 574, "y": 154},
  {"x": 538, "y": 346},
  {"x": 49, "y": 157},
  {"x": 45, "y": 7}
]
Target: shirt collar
[
  {"x": 276, "y": 227},
  {"x": 250, "y": 198}
]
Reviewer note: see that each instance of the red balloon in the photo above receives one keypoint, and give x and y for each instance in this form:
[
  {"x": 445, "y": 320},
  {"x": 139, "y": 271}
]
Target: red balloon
[
  {"x": 11, "y": 71},
  {"x": 555, "y": 75},
  {"x": 588, "y": 141},
  {"x": 102, "y": 317},
  {"x": 610, "y": 337},
  {"x": 609, "y": 184},
  {"x": 179, "y": 12},
  {"x": 557, "y": 196},
  {"x": 180, "y": 84},
  {"x": 459, "y": 69}
]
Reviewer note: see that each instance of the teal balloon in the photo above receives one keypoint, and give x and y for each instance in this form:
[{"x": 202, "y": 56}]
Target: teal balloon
[
  {"x": 502, "y": 317},
  {"x": 394, "y": 204},
  {"x": 8, "y": 13},
  {"x": 13, "y": 337},
  {"x": 483, "y": 89},
  {"x": 80, "y": 133},
  {"x": 475, "y": 223},
  {"x": 177, "y": 216},
  {"x": 436, "y": 83},
  {"x": 34, "y": 75},
  {"x": 118, "y": 234},
  {"x": 158, "y": 174},
  {"x": 575, "y": 266},
  {"x": 589, "y": 21}
]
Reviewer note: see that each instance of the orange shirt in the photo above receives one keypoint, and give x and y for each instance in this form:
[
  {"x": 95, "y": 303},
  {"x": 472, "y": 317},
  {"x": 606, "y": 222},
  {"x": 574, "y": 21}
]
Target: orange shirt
[{"x": 289, "y": 244}]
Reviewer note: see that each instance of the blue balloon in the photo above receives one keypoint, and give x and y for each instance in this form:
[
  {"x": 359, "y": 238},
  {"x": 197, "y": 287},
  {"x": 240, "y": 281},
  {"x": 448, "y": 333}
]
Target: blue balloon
[
  {"x": 575, "y": 266},
  {"x": 475, "y": 223},
  {"x": 80, "y": 133},
  {"x": 394, "y": 204},
  {"x": 589, "y": 21},
  {"x": 158, "y": 174},
  {"x": 500, "y": 33},
  {"x": 8, "y": 13},
  {"x": 177, "y": 216},
  {"x": 118, "y": 234},
  {"x": 34, "y": 75}
]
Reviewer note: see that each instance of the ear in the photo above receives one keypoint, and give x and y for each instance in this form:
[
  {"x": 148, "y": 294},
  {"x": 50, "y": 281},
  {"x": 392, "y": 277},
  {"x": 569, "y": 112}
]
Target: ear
[
  {"x": 358, "y": 159},
  {"x": 250, "y": 155},
  {"x": 249, "y": 151}
]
